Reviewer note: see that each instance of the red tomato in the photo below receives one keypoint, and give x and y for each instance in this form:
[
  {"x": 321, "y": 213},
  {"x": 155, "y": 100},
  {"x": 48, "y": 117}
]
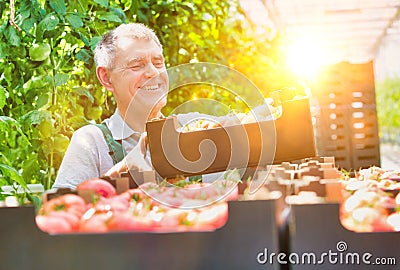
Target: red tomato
[
  {"x": 201, "y": 191},
  {"x": 167, "y": 199},
  {"x": 148, "y": 188},
  {"x": 135, "y": 194},
  {"x": 98, "y": 186},
  {"x": 233, "y": 195},
  {"x": 125, "y": 221},
  {"x": 381, "y": 225},
  {"x": 387, "y": 202},
  {"x": 215, "y": 216},
  {"x": 212, "y": 191},
  {"x": 116, "y": 203},
  {"x": 69, "y": 202},
  {"x": 53, "y": 225},
  {"x": 71, "y": 218},
  {"x": 97, "y": 223},
  {"x": 127, "y": 195},
  {"x": 172, "y": 218}
]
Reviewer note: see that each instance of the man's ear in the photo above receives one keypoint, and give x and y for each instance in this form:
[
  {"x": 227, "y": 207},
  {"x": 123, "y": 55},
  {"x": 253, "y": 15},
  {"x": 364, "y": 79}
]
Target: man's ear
[{"x": 104, "y": 78}]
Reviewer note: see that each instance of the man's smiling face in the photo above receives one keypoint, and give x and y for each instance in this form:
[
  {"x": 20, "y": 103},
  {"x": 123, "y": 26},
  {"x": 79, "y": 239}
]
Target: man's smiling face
[{"x": 139, "y": 79}]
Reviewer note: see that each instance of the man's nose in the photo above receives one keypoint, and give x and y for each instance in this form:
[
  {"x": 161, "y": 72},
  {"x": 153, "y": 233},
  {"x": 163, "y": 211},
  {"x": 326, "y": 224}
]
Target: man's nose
[{"x": 151, "y": 71}]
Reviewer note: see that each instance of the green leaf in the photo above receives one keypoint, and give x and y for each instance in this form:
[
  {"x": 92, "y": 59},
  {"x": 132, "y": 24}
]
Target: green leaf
[
  {"x": 3, "y": 26},
  {"x": 12, "y": 174},
  {"x": 36, "y": 200},
  {"x": 35, "y": 117},
  {"x": 77, "y": 121},
  {"x": 59, "y": 6},
  {"x": 119, "y": 12},
  {"x": 61, "y": 143},
  {"x": 3, "y": 50},
  {"x": 56, "y": 33},
  {"x": 142, "y": 17},
  {"x": 49, "y": 23},
  {"x": 93, "y": 42},
  {"x": 103, "y": 3},
  {"x": 37, "y": 9},
  {"x": 38, "y": 84},
  {"x": 24, "y": 12},
  {"x": 82, "y": 91},
  {"x": 83, "y": 55},
  {"x": 28, "y": 24},
  {"x": 109, "y": 16},
  {"x": 30, "y": 166},
  {"x": 134, "y": 6},
  {"x": 60, "y": 79},
  {"x": 3, "y": 182},
  {"x": 6, "y": 121},
  {"x": 2, "y": 97},
  {"x": 4, "y": 160},
  {"x": 42, "y": 100},
  {"x": 83, "y": 38},
  {"x": 189, "y": 9},
  {"x": 12, "y": 36},
  {"x": 46, "y": 128},
  {"x": 74, "y": 21}
]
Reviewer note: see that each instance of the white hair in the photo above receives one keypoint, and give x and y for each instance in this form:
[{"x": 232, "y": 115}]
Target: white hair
[{"x": 104, "y": 52}]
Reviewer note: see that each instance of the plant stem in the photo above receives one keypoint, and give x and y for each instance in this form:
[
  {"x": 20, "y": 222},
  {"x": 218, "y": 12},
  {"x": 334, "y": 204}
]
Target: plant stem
[{"x": 49, "y": 173}]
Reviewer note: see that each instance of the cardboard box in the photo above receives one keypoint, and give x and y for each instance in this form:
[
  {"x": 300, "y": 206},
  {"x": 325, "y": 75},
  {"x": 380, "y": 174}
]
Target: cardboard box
[{"x": 175, "y": 153}]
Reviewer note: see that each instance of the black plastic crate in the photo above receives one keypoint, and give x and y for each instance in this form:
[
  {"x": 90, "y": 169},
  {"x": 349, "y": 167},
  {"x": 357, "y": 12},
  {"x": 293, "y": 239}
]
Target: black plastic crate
[
  {"x": 345, "y": 115},
  {"x": 316, "y": 228},
  {"x": 250, "y": 229}
]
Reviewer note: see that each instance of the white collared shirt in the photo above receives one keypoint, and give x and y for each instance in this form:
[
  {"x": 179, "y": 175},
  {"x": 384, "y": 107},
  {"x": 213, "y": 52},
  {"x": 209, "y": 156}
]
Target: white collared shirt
[{"x": 88, "y": 155}]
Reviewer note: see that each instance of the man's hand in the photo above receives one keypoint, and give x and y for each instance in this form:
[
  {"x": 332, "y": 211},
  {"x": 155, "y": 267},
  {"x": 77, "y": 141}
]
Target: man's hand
[{"x": 134, "y": 160}]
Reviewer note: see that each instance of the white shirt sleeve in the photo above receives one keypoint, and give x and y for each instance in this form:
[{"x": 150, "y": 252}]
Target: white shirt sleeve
[{"x": 86, "y": 157}]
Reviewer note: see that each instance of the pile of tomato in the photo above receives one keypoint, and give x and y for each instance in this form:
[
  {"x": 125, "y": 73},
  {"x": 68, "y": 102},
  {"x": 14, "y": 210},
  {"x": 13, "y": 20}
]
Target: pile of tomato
[
  {"x": 150, "y": 207},
  {"x": 372, "y": 201}
]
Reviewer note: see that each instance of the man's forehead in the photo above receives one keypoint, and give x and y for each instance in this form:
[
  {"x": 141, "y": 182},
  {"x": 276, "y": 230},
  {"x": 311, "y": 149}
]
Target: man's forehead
[
  {"x": 125, "y": 43},
  {"x": 136, "y": 50}
]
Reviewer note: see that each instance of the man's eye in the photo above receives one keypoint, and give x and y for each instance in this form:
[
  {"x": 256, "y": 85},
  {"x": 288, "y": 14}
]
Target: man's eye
[
  {"x": 136, "y": 67},
  {"x": 159, "y": 64}
]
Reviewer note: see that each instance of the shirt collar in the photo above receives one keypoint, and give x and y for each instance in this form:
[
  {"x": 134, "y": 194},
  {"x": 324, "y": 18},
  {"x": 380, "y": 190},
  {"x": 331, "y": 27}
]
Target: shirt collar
[{"x": 119, "y": 129}]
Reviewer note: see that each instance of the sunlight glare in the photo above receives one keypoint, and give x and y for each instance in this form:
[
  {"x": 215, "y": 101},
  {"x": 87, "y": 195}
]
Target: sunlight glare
[{"x": 305, "y": 57}]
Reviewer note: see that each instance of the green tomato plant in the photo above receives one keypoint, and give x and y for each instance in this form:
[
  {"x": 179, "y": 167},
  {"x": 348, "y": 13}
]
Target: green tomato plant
[{"x": 388, "y": 109}]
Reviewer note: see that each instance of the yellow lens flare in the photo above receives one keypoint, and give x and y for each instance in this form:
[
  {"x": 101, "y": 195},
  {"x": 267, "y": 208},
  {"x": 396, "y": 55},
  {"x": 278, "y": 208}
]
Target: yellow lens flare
[{"x": 305, "y": 57}]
